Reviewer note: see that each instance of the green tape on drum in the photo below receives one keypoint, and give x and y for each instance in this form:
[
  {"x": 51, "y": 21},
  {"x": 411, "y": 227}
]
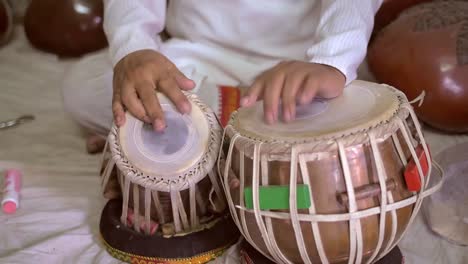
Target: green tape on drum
[{"x": 277, "y": 197}]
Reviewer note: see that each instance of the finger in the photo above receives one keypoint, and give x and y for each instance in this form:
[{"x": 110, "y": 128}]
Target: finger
[
  {"x": 182, "y": 81},
  {"x": 133, "y": 104},
  {"x": 117, "y": 109},
  {"x": 309, "y": 91},
  {"x": 271, "y": 98},
  {"x": 118, "y": 112},
  {"x": 147, "y": 94},
  {"x": 291, "y": 87},
  {"x": 170, "y": 88},
  {"x": 253, "y": 93}
]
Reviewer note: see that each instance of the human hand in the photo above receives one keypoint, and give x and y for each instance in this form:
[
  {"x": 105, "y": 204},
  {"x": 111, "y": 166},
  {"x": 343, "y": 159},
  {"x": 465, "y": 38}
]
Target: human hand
[
  {"x": 137, "y": 77},
  {"x": 293, "y": 82}
]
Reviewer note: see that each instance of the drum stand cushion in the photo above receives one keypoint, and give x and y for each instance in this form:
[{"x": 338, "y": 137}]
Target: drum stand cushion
[
  {"x": 250, "y": 255},
  {"x": 128, "y": 245}
]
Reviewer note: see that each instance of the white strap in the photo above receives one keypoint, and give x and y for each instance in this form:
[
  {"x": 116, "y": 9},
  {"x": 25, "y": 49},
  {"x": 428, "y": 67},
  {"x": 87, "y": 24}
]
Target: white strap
[
  {"x": 293, "y": 207},
  {"x": 147, "y": 211},
  {"x": 226, "y": 167},
  {"x": 382, "y": 176},
  {"x": 241, "y": 196},
  {"x": 256, "y": 199},
  {"x": 136, "y": 208},
  {"x": 419, "y": 99},
  {"x": 423, "y": 143},
  {"x": 201, "y": 202},
  {"x": 399, "y": 149},
  {"x": 126, "y": 194},
  {"x": 353, "y": 224},
  {"x": 215, "y": 185},
  {"x": 193, "y": 204},
  {"x": 182, "y": 212},
  {"x": 312, "y": 210},
  {"x": 268, "y": 221},
  {"x": 422, "y": 193},
  {"x": 159, "y": 209},
  {"x": 107, "y": 173},
  {"x": 175, "y": 211}
]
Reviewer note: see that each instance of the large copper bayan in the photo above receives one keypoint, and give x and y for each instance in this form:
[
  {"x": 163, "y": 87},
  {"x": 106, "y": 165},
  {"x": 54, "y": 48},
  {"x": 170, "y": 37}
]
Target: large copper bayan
[
  {"x": 68, "y": 28},
  {"x": 326, "y": 178},
  {"x": 425, "y": 51}
]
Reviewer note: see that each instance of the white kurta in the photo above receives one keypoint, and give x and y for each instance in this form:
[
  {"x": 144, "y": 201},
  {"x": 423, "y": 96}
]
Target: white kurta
[{"x": 225, "y": 42}]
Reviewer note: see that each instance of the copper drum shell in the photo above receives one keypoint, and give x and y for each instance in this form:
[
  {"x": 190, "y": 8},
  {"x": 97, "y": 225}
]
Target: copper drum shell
[{"x": 327, "y": 184}]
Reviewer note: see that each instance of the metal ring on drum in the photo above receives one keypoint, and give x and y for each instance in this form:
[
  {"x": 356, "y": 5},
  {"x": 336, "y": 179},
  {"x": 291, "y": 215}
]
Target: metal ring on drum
[{"x": 341, "y": 185}]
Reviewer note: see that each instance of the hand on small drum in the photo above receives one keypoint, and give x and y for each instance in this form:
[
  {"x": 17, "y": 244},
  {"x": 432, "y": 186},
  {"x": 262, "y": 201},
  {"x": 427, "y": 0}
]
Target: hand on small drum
[
  {"x": 136, "y": 78},
  {"x": 293, "y": 82}
]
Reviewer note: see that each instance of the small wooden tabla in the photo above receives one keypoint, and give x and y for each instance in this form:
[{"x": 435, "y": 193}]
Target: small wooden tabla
[
  {"x": 340, "y": 184},
  {"x": 169, "y": 206}
]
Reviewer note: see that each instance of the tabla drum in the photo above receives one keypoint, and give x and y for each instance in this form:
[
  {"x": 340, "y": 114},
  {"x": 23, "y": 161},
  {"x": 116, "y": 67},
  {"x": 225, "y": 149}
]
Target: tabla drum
[
  {"x": 167, "y": 204},
  {"x": 340, "y": 184}
]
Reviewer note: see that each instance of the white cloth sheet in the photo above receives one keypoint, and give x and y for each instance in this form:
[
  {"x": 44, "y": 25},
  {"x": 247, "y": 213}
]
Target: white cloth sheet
[{"x": 58, "y": 221}]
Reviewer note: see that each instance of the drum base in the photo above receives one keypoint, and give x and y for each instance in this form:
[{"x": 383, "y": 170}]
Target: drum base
[
  {"x": 127, "y": 245},
  {"x": 250, "y": 255}
]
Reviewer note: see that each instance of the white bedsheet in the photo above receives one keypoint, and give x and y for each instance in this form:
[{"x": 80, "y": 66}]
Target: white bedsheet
[{"x": 61, "y": 200}]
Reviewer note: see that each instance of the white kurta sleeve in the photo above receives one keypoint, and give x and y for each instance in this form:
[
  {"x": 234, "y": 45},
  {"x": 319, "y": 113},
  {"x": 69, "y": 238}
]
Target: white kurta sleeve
[
  {"x": 343, "y": 34},
  {"x": 132, "y": 25}
]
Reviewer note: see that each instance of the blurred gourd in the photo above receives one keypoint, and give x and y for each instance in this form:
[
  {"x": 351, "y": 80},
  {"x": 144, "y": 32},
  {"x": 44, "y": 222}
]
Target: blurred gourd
[
  {"x": 68, "y": 28},
  {"x": 425, "y": 52}
]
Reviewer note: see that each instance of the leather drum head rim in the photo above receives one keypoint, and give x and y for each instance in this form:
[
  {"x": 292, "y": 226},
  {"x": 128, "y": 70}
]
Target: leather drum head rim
[
  {"x": 362, "y": 107},
  {"x": 126, "y": 244},
  {"x": 177, "y": 166}
]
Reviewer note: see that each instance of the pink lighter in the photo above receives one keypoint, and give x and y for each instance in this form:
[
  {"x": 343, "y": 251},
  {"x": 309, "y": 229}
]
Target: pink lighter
[{"x": 11, "y": 191}]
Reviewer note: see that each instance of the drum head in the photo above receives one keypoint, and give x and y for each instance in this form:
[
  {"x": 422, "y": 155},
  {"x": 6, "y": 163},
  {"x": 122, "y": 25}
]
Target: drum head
[
  {"x": 187, "y": 141},
  {"x": 362, "y": 106}
]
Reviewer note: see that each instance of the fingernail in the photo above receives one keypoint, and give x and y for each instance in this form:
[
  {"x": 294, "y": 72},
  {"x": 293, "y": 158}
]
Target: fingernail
[
  {"x": 159, "y": 125},
  {"x": 269, "y": 118},
  {"x": 287, "y": 115}
]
